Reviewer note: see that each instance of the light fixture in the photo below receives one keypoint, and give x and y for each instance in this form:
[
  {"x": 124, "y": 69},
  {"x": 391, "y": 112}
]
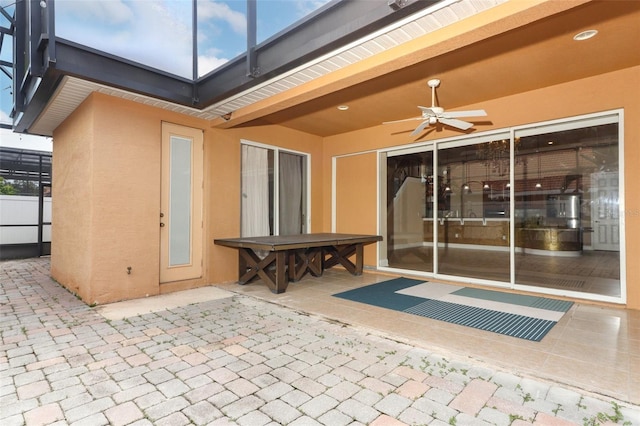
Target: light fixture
[
  {"x": 466, "y": 189},
  {"x": 43, "y": 4},
  {"x": 585, "y": 35},
  {"x": 343, "y": 107},
  {"x": 495, "y": 154},
  {"x": 539, "y": 183}
]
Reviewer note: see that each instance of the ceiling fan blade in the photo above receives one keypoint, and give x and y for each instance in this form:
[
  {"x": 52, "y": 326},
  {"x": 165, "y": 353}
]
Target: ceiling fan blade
[
  {"x": 420, "y": 128},
  {"x": 471, "y": 113},
  {"x": 458, "y": 124},
  {"x": 427, "y": 110},
  {"x": 400, "y": 121}
]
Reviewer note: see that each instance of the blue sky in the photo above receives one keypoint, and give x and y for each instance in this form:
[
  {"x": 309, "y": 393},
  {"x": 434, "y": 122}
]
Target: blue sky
[{"x": 158, "y": 33}]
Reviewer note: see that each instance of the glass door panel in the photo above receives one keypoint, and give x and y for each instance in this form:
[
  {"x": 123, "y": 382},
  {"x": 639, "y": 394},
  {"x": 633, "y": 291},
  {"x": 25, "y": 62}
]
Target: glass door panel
[
  {"x": 292, "y": 208},
  {"x": 567, "y": 209},
  {"x": 180, "y": 201},
  {"x": 274, "y": 191},
  {"x": 410, "y": 202},
  {"x": 473, "y": 215}
]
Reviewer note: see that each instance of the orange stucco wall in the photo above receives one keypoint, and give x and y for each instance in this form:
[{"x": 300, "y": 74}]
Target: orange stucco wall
[
  {"x": 355, "y": 198},
  {"x": 599, "y": 93},
  {"x": 106, "y": 214},
  {"x": 107, "y": 182}
]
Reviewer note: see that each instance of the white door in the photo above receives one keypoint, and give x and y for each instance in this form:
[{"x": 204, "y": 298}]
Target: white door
[
  {"x": 605, "y": 211},
  {"x": 181, "y": 225}
]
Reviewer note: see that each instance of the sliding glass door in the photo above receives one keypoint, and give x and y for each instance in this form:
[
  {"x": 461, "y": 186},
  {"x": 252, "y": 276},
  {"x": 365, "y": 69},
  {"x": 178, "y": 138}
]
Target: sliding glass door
[
  {"x": 536, "y": 206},
  {"x": 274, "y": 191}
]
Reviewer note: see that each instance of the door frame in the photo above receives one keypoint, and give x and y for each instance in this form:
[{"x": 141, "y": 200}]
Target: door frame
[{"x": 193, "y": 268}]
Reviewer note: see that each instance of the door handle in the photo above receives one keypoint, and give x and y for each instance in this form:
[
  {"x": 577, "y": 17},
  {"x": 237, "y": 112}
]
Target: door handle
[{"x": 161, "y": 225}]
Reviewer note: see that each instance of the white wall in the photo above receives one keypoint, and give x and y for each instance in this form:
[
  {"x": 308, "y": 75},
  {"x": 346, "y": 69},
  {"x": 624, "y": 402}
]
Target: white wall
[{"x": 23, "y": 210}]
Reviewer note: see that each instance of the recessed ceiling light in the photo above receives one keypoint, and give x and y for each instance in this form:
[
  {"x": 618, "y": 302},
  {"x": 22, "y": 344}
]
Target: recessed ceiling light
[
  {"x": 585, "y": 35},
  {"x": 343, "y": 107}
]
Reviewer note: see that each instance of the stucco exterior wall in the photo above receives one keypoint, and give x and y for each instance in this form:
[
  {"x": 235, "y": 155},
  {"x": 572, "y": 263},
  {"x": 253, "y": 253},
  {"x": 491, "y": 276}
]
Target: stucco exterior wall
[
  {"x": 599, "y": 93},
  {"x": 72, "y": 212},
  {"x": 108, "y": 157},
  {"x": 107, "y": 182}
]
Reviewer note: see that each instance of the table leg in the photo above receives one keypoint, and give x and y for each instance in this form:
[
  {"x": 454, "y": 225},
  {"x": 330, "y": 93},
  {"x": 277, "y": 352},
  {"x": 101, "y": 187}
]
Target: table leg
[
  {"x": 305, "y": 260},
  {"x": 254, "y": 267},
  {"x": 281, "y": 279},
  {"x": 340, "y": 255}
]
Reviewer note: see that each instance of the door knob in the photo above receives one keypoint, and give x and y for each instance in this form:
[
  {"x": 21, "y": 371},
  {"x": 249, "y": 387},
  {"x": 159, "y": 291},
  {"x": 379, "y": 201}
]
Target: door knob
[{"x": 161, "y": 225}]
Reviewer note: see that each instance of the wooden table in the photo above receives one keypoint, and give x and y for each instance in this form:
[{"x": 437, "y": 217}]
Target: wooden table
[{"x": 290, "y": 257}]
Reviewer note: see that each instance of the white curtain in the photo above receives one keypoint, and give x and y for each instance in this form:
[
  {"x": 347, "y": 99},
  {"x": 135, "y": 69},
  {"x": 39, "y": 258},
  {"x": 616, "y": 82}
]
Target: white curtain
[
  {"x": 255, "y": 192},
  {"x": 290, "y": 203}
]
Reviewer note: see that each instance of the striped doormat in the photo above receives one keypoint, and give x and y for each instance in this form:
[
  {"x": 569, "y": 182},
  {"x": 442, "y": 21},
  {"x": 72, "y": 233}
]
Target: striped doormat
[{"x": 516, "y": 315}]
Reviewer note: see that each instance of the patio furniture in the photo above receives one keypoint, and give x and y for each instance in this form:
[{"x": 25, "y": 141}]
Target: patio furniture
[{"x": 290, "y": 257}]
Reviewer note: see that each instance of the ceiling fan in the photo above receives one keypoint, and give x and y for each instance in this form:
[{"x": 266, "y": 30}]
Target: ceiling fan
[{"x": 436, "y": 114}]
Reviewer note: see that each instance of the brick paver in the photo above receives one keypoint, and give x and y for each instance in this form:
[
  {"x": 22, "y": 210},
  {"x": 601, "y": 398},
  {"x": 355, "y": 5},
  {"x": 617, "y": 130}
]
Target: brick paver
[{"x": 241, "y": 361}]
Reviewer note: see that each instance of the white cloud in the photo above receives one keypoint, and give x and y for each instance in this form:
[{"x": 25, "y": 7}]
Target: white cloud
[
  {"x": 209, "y": 63},
  {"x": 111, "y": 11},
  {"x": 153, "y": 32},
  {"x": 10, "y": 139},
  {"x": 211, "y": 10},
  {"x": 4, "y": 117}
]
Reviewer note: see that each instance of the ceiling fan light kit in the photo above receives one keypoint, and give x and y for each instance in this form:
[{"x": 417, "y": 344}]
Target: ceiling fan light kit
[{"x": 436, "y": 114}]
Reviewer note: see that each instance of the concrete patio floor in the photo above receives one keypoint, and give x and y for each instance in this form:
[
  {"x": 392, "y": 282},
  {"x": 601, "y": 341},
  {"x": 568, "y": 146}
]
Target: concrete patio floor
[{"x": 240, "y": 355}]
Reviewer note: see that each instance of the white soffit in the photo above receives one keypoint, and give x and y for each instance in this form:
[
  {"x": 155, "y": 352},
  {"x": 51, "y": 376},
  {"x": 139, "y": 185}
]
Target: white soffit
[{"x": 73, "y": 91}]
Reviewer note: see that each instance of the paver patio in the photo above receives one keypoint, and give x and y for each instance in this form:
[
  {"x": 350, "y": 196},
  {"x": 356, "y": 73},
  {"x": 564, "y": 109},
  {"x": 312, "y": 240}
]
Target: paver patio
[{"x": 236, "y": 359}]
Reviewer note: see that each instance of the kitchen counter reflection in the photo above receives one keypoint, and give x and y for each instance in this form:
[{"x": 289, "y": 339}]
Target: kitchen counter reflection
[{"x": 551, "y": 241}]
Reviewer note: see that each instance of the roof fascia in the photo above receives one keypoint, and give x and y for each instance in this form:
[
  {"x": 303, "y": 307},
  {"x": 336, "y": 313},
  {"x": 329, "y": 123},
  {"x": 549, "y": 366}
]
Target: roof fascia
[{"x": 338, "y": 25}]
